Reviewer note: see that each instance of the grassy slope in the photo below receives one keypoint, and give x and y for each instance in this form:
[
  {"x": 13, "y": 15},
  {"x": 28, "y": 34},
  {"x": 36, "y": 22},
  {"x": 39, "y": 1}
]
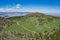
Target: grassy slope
[{"x": 33, "y": 23}]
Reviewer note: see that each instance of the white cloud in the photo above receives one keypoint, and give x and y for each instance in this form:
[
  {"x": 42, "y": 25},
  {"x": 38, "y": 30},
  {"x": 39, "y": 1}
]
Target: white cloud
[
  {"x": 18, "y": 5},
  {"x": 15, "y": 8},
  {"x": 1, "y": 9}
]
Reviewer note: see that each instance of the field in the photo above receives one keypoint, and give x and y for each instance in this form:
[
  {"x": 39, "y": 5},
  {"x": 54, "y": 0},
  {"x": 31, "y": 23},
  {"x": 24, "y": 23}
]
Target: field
[{"x": 33, "y": 24}]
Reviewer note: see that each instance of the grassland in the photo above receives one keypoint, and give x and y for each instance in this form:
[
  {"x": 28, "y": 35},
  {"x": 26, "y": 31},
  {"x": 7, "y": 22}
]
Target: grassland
[{"x": 33, "y": 24}]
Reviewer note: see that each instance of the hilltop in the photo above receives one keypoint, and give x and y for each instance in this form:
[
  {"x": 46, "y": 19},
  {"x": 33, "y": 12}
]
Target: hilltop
[
  {"x": 29, "y": 26},
  {"x": 35, "y": 22}
]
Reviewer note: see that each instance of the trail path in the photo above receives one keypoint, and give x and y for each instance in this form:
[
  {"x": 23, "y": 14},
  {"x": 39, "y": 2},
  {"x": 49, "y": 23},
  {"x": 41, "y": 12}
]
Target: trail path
[{"x": 27, "y": 29}]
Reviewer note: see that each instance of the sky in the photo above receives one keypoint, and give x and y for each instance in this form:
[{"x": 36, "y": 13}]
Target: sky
[{"x": 44, "y": 6}]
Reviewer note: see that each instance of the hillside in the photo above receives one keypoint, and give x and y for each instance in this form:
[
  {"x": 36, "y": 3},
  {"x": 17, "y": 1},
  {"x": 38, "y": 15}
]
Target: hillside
[
  {"x": 30, "y": 24},
  {"x": 34, "y": 22}
]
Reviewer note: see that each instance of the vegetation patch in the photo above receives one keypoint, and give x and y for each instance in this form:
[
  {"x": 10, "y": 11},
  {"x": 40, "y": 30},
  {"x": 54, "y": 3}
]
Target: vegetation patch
[{"x": 34, "y": 26}]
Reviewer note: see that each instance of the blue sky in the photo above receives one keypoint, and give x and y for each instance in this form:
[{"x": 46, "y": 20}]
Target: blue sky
[{"x": 45, "y": 6}]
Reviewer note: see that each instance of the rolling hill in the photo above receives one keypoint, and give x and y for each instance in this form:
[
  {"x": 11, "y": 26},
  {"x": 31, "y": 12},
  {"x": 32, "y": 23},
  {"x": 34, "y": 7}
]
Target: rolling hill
[
  {"x": 34, "y": 22},
  {"x": 30, "y": 24}
]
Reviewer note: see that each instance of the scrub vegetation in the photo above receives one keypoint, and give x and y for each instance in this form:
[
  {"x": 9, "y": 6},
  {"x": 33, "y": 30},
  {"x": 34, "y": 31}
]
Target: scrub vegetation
[{"x": 34, "y": 26}]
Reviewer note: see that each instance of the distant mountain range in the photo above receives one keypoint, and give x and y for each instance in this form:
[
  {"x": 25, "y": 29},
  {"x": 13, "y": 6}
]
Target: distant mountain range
[
  {"x": 10, "y": 14},
  {"x": 53, "y": 14}
]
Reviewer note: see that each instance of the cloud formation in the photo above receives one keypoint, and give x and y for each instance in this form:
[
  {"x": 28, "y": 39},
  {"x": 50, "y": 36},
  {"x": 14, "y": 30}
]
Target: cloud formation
[
  {"x": 15, "y": 8},
  {"x": 18, "y": 5},
  {"x": 1, "y": 9}
]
